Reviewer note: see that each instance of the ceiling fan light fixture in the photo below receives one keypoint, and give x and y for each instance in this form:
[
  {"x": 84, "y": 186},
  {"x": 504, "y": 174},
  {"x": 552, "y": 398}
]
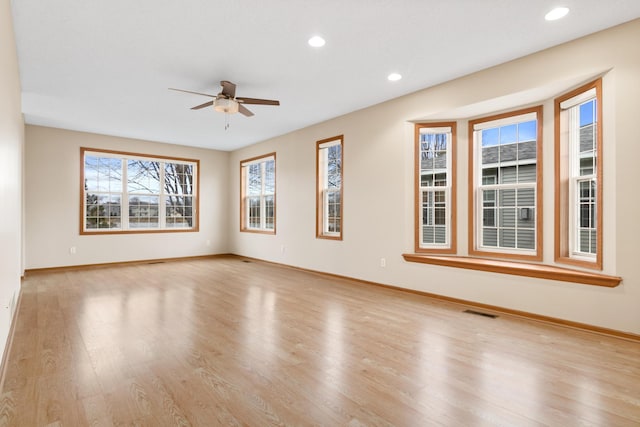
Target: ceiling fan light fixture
[{"x": 224, "y": 105}]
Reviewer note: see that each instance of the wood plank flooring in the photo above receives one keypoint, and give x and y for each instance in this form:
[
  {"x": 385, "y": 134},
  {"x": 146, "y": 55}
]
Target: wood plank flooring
[{"x": 232, "y": 343}]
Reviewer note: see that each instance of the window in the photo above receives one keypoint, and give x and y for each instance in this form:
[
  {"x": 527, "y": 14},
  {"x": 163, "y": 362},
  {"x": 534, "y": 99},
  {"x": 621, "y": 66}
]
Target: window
[
  {"x": 124, "y": 192},
  {"x": 258, "y": 194},
  {"x": 578, "y": 121},
  {"x": 505, "y": 188},
  {"x": 435, "y": 187},
  {"x": 329, "y": 188}
]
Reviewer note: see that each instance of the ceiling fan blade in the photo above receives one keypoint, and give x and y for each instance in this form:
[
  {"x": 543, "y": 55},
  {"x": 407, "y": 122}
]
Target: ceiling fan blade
[
  {"x": 195, "y": 93},
  {"x": 243, "y": 110},
  {"x": 228, "y": 89},
  {"x": 257, "y": 101},
  {"x": 206, "y": 104}
]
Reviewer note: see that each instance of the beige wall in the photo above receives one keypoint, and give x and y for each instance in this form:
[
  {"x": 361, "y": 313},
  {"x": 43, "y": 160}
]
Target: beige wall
[
  {"x": 378, "y": 184},
  {"x": 52, "y": 162},
  {"x": 11, "y": 152}
]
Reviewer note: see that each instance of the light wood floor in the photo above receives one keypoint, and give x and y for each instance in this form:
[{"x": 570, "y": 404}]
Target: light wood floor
[{"x": 226, "y": 342}]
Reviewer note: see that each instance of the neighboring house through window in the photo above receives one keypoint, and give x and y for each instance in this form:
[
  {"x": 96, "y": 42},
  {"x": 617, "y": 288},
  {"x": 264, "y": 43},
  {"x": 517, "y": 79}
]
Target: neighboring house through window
[
  {"x": 505, "y": 188},
  {"x": 435, "y": 187},
  {"x": 124, "y": 192},
  {"x": 258, "y": 194},
  {"x": 329, "y": 195},
  {"x": 578, "y": 121}
]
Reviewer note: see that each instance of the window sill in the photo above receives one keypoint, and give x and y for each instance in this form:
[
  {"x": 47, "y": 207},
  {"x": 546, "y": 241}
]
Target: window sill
[
  {"x": 92, "y": 232},
  {"x": 257, "y": 231},
  {"x": 519, "y": 269}
]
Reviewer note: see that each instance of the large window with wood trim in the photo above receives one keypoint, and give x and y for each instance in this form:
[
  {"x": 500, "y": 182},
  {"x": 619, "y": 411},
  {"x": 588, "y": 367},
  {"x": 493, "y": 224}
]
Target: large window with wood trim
[
  {"x": 578, "y": 121},
  {"x": 132, "y": 193},
  {"x": 435, "y": 187},
  {"x": 258, "y": 194},
  {"x": 329, "y": 195},
  {"x": 505, "y": 190}
]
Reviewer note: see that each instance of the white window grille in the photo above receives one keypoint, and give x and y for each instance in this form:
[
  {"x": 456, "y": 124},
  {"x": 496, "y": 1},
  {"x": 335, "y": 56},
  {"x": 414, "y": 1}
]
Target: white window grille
[
  {"x": 506, "y": 199},
  {"x": 125, "y": 192},
  {"x": 329, "y": 158},
  {"x": 581, "y": 118},
  {"x": 259, "y": 186},
  {"x": 434, "y": 186}
]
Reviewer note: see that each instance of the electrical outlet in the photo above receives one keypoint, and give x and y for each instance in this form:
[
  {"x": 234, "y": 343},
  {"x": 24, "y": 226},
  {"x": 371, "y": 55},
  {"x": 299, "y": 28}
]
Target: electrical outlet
[
  {"x": 72, "y": 250},
  {"x": 383, "y": 262},
  {"x": 208, "y": 242}
]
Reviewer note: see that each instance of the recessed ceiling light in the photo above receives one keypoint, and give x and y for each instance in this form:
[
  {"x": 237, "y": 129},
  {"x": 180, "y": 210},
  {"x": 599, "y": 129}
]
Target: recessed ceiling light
[
  {"x": 557, "y": 13},
  {"x": 394, "y": 77},
  {"x": 316, "y": 41}
]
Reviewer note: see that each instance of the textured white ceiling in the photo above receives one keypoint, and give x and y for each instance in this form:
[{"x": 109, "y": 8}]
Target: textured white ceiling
[{"x": 104, "y": 66}]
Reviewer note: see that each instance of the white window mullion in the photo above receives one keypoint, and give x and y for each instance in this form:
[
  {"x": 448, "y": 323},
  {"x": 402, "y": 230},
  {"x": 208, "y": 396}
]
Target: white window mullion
[
  {"x": 162, "y": 199},
  {"x": 263, "y": 199},
  {"x": 325, "y": 209},
  {"x": 325, "y": 185},
  {"x": 124, "y": 204}
]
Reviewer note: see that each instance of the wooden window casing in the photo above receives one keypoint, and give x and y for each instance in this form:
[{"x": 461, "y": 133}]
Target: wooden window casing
[
  {"x": 566, "y": 161},
  {"x": 258, "y": 194},
  {"x": 442, "y": 185},
  {"x": 329, "y": 188},
  {"x": 163, "y": 199}
]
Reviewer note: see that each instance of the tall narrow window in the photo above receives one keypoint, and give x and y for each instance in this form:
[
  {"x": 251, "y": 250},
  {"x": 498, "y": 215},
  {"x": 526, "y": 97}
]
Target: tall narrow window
[
  {"x": 258, "y": 194},
  {"x": 329, "y": 200},
  {"x": 505, "y": 192},
  {"x": 579, "y": 176},
  {"x": 435, "y": 187},
  {"x": 125, "y": 192}
]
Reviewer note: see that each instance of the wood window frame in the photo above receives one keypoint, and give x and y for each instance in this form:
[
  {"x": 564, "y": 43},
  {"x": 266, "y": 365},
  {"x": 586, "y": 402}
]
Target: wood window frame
[
  {"x": 320, "y": 190},
  {"x": 562, "y": 202},
  {"x": 473, "y": 211},
  {"x": 243, "y": 207},
  {"x": 452, "y": 177},
  {"x": 124, "y": 155}
]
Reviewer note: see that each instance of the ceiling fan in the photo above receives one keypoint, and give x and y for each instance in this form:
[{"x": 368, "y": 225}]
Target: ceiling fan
[{"x": 227, "y": 102}]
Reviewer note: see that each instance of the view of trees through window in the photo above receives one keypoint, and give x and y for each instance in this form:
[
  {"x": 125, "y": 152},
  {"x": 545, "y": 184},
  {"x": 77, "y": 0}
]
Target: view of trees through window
[
  {"x": 124, "y": 192},
  {"x": 258, "y": 194},
  {"x": 334, "y": 183},
  {"x": 329, "y": 188}
]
